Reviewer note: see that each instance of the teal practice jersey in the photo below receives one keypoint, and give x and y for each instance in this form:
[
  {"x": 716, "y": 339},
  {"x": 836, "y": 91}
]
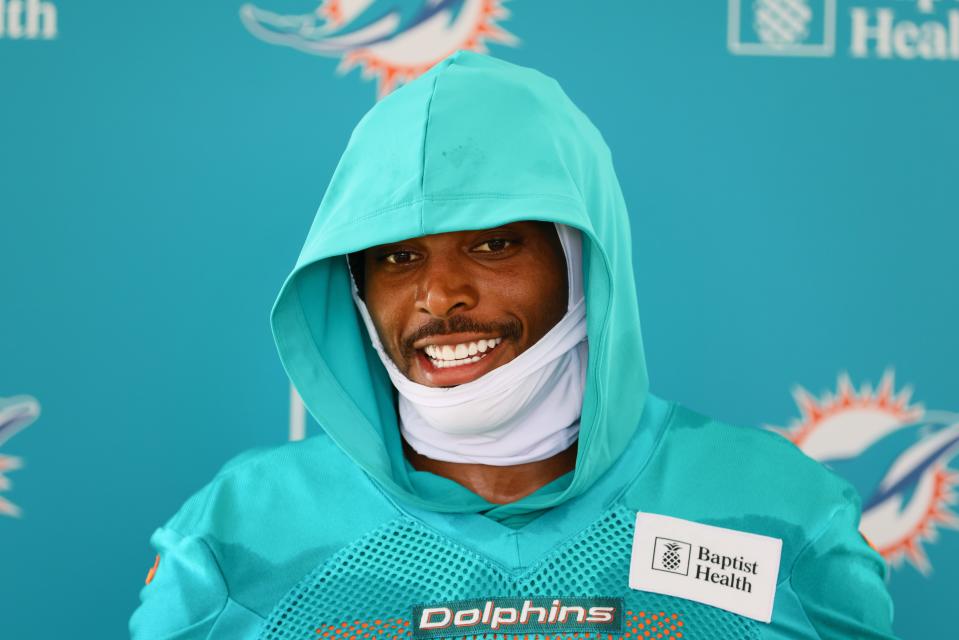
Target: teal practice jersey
[{"x": 671, "y": 525}]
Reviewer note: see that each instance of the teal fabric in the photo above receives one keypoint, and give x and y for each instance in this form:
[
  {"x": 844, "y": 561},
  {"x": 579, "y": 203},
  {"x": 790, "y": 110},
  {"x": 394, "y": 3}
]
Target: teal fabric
[
  {"x": 750, "y": 479},
  {"x": 474, "y": 143},
  {"x": 478, "y": 142},
  {"x": 241, "y": 545}
]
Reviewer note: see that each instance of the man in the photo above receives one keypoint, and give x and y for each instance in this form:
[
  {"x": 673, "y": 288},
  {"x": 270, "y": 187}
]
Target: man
[{"x": 462, "y": 323}]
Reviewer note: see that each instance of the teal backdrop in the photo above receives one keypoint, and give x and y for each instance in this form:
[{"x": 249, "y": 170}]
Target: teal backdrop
[{"x": 790, "y": 168}]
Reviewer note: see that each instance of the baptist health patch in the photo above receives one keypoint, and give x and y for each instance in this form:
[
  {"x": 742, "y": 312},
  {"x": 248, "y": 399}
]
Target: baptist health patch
[{"x": 724, "y": 568}]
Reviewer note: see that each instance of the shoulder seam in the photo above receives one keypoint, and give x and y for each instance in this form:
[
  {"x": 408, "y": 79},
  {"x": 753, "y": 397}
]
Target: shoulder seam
[
  {"x": 806, "y": 547},
  {"x": 219, "y": 571},
  {"x": 813, "y": 540},
  {"x": 660, "y": 439}
]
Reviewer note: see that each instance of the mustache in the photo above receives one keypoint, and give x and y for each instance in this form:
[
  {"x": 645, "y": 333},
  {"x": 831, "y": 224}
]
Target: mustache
[{"x": 461, "y": 324}]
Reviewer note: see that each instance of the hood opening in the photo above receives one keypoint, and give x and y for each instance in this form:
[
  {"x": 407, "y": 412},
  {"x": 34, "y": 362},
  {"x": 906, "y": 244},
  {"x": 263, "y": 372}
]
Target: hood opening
[{"x": 474, "y": 143}]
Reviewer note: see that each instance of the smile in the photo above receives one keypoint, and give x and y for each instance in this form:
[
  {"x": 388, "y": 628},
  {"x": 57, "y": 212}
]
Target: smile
[{"x": 455, "y": 355}]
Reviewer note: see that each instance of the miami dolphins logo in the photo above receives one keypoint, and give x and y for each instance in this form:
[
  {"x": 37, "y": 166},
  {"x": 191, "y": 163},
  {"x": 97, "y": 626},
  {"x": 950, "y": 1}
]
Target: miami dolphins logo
[
  {"x": 896, "y": 454},
  {"x": 16, "y": 414},
  {"x": 392, "y": 40}
]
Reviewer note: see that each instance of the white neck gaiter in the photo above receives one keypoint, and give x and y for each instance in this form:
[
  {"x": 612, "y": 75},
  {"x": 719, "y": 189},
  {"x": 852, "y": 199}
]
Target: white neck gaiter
[{"x": 524, "y": 411}]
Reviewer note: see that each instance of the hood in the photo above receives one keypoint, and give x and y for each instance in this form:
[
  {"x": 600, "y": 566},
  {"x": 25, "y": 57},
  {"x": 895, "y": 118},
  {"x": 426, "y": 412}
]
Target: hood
[{"x": 475, "y": 142}]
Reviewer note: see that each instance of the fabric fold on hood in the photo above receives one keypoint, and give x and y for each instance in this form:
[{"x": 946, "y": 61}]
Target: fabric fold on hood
[{"x": 476, "y": 142}]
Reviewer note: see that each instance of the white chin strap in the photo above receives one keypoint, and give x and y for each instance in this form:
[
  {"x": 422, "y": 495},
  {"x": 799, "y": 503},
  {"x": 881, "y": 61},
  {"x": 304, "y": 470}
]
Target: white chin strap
[{"x": 524, "y": 411}]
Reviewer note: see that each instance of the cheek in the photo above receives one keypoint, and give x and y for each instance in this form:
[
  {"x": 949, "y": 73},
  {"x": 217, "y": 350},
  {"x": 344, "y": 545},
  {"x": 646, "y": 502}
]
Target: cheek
[
  {"x": 535, "y": 293},
  {"x": 386, "y": 315},
  {"x": 552, "y": 301}
]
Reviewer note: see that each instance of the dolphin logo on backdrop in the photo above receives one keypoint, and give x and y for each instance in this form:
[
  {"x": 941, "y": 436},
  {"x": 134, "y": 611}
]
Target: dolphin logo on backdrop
[
  {"x": 392, "y": 40},
  {"x": 896, "y": 454},
  {"x": 16, "y": 414}
]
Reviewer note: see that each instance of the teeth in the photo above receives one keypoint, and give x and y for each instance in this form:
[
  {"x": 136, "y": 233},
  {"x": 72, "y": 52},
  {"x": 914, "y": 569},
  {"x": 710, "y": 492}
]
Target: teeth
[
  {"x": 445, "y": 364},
  {"x": 454, "y": 355}
]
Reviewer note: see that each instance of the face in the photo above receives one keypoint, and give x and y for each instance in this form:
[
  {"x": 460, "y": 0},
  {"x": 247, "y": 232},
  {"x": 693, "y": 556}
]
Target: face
[{"x": 451, "y": 307}]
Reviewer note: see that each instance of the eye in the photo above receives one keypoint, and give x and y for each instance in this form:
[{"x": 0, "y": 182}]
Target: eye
[
  {"x": 494, "y": 245},
  {"x": 400, "y": 257}
]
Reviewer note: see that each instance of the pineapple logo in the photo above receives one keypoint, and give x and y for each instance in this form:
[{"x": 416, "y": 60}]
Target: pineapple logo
[
  {"x": 671, "y": 556},
  {"x": 781, "y": 27},
  {"x": 781, "y": 22}
]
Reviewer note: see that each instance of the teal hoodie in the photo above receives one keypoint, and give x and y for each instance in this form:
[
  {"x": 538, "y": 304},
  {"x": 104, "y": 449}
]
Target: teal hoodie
[{"x": 338, "y": 534}]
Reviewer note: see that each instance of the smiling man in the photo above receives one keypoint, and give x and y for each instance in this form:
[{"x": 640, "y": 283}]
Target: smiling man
[
  {"x": 445, "y": 310},
  {"x": 462, "y": 324},
  {"x": 446, "y": 302}
]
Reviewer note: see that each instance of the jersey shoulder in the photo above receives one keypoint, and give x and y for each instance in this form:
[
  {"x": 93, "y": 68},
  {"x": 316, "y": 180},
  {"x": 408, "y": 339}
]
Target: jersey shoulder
[
  {"x": 266, "y": 519},
  {"x": 740, "y": 477},
  {"x": 287, "y": 485},
  {"x": 757, "y": 461}
]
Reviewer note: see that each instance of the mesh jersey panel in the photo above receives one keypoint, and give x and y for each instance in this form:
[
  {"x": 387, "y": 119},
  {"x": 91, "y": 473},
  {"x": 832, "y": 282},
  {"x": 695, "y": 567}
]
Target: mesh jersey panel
[{"x": 367, "y": 590}]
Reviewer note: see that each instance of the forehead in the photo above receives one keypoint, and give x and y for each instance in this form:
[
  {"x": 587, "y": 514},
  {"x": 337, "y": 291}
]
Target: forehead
[{"x": 535, "y": 229}]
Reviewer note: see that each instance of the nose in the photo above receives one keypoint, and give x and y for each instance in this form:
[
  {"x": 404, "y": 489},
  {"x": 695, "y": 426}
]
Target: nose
[{"x": 445, "y": 287}]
